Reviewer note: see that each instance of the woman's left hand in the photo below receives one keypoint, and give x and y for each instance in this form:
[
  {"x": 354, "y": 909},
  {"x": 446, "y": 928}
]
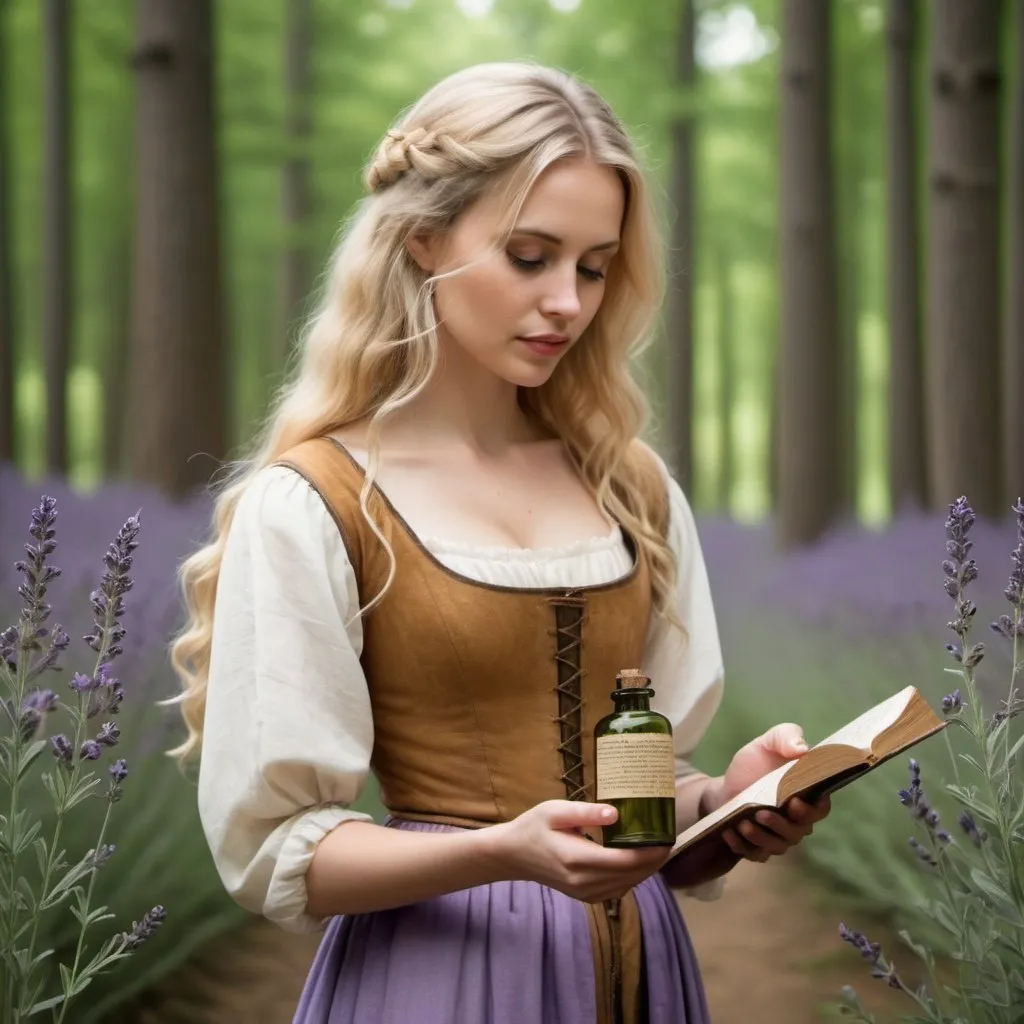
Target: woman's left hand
[{"x": 769, "y": 833}]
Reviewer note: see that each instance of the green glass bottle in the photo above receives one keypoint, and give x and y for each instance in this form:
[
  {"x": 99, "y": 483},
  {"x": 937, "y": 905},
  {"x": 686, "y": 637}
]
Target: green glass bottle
[{"x": 636, "y": 766}]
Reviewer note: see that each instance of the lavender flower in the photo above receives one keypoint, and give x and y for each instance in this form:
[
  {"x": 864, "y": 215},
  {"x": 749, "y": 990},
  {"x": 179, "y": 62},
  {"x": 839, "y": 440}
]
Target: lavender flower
[
  {"x": 109, "y": 734},
  {"x": 952, "y": 703},
  {"x": 8, "y": 647},
  {"x": 91, "y": 751},
  {"x": 35, "y": 706},
  {"x": 970, "y": 827},
  {"x": 108, "y": 600},
  {"x": 144, "y": 929},
  {"x": 102, "y": 855},
  {"x": 119, "y": 770},
  {"x": 872, "y": 952},
  {"x": 62, "y": 749},
  {"x": 38, "y": 576}
]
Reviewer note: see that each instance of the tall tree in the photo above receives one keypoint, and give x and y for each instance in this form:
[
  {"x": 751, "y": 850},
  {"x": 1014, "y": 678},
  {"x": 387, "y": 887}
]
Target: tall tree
[
  {"x": 178, "y": 394},
  {"x": 907, "y": 457},
  {"x": 726, "y": 379},
  {"x": 57, "y": 228},
  {"x": 296, "y": 200},
  {"x": 1013, "y": 431},
  {"x": 7, "y": 360},
  {"x": 682, "y": 269},
  {"x": 809, "y": 456},
  {"x": 963, "y": 254}
]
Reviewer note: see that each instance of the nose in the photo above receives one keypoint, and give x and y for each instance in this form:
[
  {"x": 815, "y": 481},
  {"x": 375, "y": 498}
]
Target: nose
[{"x": 562, "y": 297}]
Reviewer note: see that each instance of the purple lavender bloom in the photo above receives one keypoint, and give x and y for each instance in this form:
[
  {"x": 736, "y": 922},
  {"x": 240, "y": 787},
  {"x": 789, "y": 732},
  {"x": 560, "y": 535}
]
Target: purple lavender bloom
[
  {"x": 1005, "y": 626},
  {"x": 62, "y": 749},
  {"x": 119, "y": 771},
  {"x": 108, "y": 600},
  {"x": 970, "y": 827},
  {"x": 8, "y": 646},
  {"x": 59, "y": 641},
  {"x": 144, "y": 929},
  {"x": 106, "y": 695},
  {"x": 91, "y": 751},
  {"x": 82, "y": 683},
  {"x": 38, "y": 576},
  {"x": 35, "y": 706},
  {"x": 109, "y": 734},
  {"x": 953, "y": 703}
]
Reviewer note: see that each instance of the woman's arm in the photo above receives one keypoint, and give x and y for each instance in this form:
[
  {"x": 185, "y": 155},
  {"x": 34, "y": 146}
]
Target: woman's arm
[{"x": 362, "y": 867}]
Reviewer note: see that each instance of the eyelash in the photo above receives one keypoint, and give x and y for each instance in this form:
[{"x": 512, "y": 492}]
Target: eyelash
[{"x": 529, "y": 265}]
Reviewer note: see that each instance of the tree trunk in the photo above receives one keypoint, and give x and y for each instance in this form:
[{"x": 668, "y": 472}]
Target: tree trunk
[
  {"x": 963, "y": 255},
  {"x": 7, "y": 356},
  {"x": 57, "y": 228},
  {"x": 908, "y": 482},
  {"x": 682, "y": 269},
  {"x": 178, "y": 375},
  {"x": 809, "y": 392},
  {"x": 726, "y": 382},
  {"x": 115, "y": 377},
  {"x": 1013, "y": 431},
  {"x": 296, "y": 199}
]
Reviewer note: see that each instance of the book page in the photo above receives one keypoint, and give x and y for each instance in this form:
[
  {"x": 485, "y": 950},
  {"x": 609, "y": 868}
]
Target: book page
[{"x": 862, "y": 731}]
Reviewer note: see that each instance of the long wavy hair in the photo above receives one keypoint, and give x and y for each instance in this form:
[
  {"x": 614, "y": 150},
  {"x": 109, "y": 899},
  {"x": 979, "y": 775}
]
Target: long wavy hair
[{"x": 372, "y": 345}]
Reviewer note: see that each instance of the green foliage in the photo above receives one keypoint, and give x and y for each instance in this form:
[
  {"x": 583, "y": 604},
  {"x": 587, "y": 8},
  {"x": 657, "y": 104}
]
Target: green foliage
[{"x": 976, "y": 895}]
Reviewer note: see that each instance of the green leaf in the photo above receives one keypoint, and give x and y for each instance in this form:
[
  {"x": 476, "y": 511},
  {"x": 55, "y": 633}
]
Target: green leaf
[
  {"x": 82, "y": 791},
  {"x": 28, "y": 756},
  {"x": 1001, "y": 901},
  {"x": 922, "y": 952},
  {"x": 42, "y": 853},
  {"x": 46, "y": 1004}
]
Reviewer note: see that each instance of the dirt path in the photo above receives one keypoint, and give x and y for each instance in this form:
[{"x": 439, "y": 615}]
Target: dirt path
[{"x": 770, "y": 954}]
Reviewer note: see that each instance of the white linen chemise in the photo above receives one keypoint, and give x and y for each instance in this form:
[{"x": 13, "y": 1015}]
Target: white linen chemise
[{"x": 288, "y": 729}]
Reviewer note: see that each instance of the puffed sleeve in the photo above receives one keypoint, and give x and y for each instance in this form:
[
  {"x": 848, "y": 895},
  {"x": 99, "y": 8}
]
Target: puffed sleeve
[
  {"x": 686, "y": 671},
  {"x": 288, "y": 730}
]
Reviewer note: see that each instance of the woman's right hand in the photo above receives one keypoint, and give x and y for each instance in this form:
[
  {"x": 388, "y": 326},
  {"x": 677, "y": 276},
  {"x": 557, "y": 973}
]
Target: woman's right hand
[{"x": 545, "y": 844}]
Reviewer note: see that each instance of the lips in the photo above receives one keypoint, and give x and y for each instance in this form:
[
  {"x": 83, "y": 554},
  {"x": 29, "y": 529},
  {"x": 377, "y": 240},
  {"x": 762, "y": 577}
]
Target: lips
[{"x": 547, "y": 339}]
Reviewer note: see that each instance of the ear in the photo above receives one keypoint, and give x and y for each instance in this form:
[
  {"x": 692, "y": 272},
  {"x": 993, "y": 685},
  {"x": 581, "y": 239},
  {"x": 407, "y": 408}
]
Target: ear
[{"x": 426, "y": 250}]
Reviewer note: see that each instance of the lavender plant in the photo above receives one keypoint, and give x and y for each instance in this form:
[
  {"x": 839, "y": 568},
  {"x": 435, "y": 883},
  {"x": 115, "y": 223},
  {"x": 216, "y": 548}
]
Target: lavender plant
[
  {"x": 978, "y": 875},
  {"x": 71, "y": 775}
]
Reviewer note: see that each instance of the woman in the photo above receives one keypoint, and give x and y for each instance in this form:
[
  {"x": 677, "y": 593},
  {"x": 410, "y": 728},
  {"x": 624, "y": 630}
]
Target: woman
[{"x": 448, "y": 541}]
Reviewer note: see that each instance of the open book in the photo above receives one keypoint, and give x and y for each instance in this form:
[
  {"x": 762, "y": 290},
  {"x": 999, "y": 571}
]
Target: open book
[{"x": 887, "y": 729}]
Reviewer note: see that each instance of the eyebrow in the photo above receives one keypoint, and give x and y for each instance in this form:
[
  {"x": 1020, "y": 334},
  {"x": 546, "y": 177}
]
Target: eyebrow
[{"x": 555, "y": 240}]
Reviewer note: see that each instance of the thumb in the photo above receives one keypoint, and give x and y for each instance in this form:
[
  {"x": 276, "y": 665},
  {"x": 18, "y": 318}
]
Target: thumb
[
  {"x": 786, "y": 740},
  {"x": 568, "y": 814}
]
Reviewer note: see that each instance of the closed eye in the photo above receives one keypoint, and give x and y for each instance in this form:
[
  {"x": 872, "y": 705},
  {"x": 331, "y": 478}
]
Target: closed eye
[{"x": 528, "y": 266}]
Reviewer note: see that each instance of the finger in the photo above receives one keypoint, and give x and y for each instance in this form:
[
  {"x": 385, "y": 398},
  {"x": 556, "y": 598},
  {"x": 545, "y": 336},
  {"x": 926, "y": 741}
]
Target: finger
[
  {"x": 575, "y": 814},
  {"x": 762, "y": 839},
  {"x": 798, "y": 810},
  {"x": 786, "y": 739},
  {"x": 742, "y": 848},
  {"x": 784, "y": 828}
]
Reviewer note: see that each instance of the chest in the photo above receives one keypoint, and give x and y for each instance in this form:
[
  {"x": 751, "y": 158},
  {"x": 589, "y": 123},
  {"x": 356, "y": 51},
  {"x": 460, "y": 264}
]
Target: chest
[{"x": 530, "y": 501}]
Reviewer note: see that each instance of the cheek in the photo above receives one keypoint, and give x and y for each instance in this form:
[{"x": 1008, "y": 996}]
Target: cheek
[{"x": 486, "y": 300}]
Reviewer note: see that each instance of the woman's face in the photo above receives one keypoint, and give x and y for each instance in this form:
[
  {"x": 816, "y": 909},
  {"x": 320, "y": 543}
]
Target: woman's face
[{"x": 517, "y": 311}]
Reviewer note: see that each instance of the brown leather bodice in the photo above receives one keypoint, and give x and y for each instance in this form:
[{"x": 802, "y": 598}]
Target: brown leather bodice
[{"x": 484, "y": 697}]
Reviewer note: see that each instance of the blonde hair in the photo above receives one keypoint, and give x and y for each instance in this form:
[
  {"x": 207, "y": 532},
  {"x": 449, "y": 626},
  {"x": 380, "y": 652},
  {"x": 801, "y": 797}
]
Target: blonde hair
[{"x": 372, "y": 345}]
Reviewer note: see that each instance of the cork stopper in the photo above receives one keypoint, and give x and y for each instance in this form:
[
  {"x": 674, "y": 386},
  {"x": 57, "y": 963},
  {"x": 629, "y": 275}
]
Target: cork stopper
[{"x": 632, "y": 678}]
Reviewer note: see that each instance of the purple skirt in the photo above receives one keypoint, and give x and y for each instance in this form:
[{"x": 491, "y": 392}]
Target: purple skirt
[{"x": 504, "y": 953}]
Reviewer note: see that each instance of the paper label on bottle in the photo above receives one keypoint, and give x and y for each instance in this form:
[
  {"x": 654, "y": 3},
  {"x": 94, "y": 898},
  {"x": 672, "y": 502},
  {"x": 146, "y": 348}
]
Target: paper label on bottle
[{"x": 635, "y": 765}]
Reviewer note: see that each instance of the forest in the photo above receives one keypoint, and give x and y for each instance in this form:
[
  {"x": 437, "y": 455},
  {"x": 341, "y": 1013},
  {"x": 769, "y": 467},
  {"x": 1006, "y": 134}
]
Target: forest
[{"x": 840, "y": 357}]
